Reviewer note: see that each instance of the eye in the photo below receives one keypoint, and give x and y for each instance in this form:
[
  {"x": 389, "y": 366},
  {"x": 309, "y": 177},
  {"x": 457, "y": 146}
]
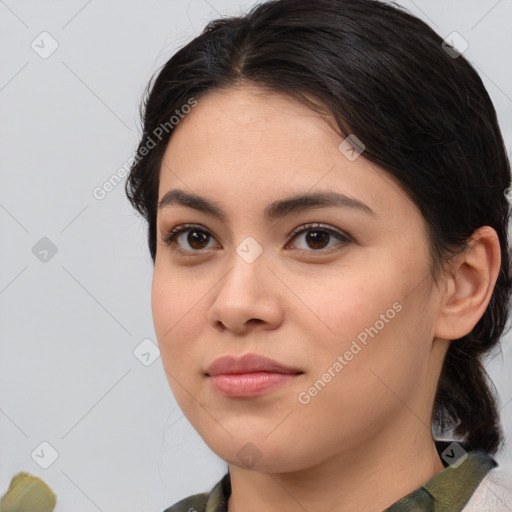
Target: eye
[
  {"x": 318, "y": 237},
  {"x": 192, "y": 234}
]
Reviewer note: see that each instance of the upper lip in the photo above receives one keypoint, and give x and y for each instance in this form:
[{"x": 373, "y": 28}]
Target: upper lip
[{"x": 248, "y": 363}]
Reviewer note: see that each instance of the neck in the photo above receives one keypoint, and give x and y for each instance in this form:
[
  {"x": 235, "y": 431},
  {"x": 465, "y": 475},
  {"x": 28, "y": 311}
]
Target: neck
[{"x": 370, "y": 477}]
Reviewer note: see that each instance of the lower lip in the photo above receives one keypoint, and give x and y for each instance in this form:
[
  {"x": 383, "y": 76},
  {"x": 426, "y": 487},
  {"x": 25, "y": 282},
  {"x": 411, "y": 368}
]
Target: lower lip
[{"x": 245, "y": 385}]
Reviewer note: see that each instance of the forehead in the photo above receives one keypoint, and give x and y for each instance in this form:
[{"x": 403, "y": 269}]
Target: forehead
[
  {"x": 244, "y": 118},
  {"x": 251, "y": 144}
]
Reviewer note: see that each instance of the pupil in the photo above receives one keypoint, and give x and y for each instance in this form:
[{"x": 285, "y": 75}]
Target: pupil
[
  {"x": 193, "y": 238},
  {"x": 316, "y": 238}
]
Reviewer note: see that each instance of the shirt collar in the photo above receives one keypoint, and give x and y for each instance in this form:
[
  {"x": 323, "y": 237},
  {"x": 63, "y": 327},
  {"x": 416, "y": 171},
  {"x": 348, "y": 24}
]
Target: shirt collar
[
  {"x": 451, "y": 489},
  {"x": 448, "y": 491}
]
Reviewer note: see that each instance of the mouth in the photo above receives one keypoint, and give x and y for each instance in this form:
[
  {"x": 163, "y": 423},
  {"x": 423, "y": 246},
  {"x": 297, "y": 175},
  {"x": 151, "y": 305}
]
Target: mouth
[{"x": 248, "y": 376}]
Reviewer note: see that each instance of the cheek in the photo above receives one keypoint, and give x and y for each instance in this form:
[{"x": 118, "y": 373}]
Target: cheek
[
  {"x": 356, "y": 306},
  {"x": 372, "y": 381},
  {"x": 174, "y": 319},
  {"x": 176, "y": 331},
  {"x": 172, "y": 300},
  {"x": 379, "y": 330}
]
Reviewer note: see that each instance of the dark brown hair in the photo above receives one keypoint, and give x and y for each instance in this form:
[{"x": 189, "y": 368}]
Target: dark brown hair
[{"x": 422, "y": 113}]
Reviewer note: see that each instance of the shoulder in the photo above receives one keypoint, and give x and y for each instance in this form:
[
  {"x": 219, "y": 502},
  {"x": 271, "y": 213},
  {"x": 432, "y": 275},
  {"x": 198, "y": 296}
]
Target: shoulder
[
  {"x": 494, "y": 493},
  {"x": 195, "y": 503}
]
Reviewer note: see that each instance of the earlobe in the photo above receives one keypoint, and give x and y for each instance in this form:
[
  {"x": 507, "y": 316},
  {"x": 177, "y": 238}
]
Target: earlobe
[{"x": 469, "y": 285}]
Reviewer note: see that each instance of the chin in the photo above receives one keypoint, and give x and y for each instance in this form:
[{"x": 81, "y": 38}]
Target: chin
[{"x": 258, "y": 453}]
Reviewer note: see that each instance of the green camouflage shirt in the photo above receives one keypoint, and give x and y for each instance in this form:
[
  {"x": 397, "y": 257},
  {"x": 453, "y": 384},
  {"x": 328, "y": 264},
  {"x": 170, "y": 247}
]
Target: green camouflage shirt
[{"x": 448, "y": 491}]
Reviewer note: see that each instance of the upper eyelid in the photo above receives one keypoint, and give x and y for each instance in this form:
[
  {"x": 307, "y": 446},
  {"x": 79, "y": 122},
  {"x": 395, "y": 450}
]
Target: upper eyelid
[{"x": 320, "y": 226}]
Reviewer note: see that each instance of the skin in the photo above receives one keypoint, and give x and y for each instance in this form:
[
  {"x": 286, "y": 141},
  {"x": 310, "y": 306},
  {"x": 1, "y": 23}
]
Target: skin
[{"x": 364, "y": 440}]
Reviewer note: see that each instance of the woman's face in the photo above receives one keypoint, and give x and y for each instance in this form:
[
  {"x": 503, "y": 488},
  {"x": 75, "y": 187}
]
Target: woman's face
[{"x": 346, "y": 306}]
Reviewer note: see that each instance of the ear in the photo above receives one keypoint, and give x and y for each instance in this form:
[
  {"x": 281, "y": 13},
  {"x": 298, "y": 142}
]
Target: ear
[{"x": 469, "y": 284}]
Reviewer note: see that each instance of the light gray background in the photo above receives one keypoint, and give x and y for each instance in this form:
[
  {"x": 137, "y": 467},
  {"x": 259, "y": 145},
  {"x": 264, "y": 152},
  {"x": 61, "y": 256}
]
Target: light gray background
[{"x": 70, "y": 325}]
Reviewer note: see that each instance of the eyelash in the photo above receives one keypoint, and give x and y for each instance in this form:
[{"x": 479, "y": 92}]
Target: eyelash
[{"x": 170, "y": 238}]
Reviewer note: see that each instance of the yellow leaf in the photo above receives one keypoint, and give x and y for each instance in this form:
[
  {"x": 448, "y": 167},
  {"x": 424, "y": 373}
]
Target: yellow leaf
[{"x": 27, "y": 493}]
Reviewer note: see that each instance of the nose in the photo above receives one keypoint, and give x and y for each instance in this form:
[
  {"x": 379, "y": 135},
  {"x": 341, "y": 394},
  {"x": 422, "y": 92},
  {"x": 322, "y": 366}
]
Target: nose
[{"x": 246, "y": 298}]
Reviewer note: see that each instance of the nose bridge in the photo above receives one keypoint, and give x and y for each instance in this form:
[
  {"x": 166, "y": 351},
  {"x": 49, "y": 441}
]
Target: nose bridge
[
  {"x": 247, "y": 266},
  {"x": 245, "y": 293}
]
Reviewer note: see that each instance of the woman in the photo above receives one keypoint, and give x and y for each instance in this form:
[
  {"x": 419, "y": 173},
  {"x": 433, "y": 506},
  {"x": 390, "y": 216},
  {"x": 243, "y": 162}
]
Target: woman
[{"x": 324, "y": 185}]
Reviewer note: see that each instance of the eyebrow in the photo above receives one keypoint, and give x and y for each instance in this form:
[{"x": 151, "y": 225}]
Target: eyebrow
[{"x": 274, "y": 210}]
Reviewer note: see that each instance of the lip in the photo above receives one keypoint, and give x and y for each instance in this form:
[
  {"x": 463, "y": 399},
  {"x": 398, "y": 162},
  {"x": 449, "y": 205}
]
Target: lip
[
  {"x": 248, "y": 363},
  {"x": 249, "y": 375}
]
